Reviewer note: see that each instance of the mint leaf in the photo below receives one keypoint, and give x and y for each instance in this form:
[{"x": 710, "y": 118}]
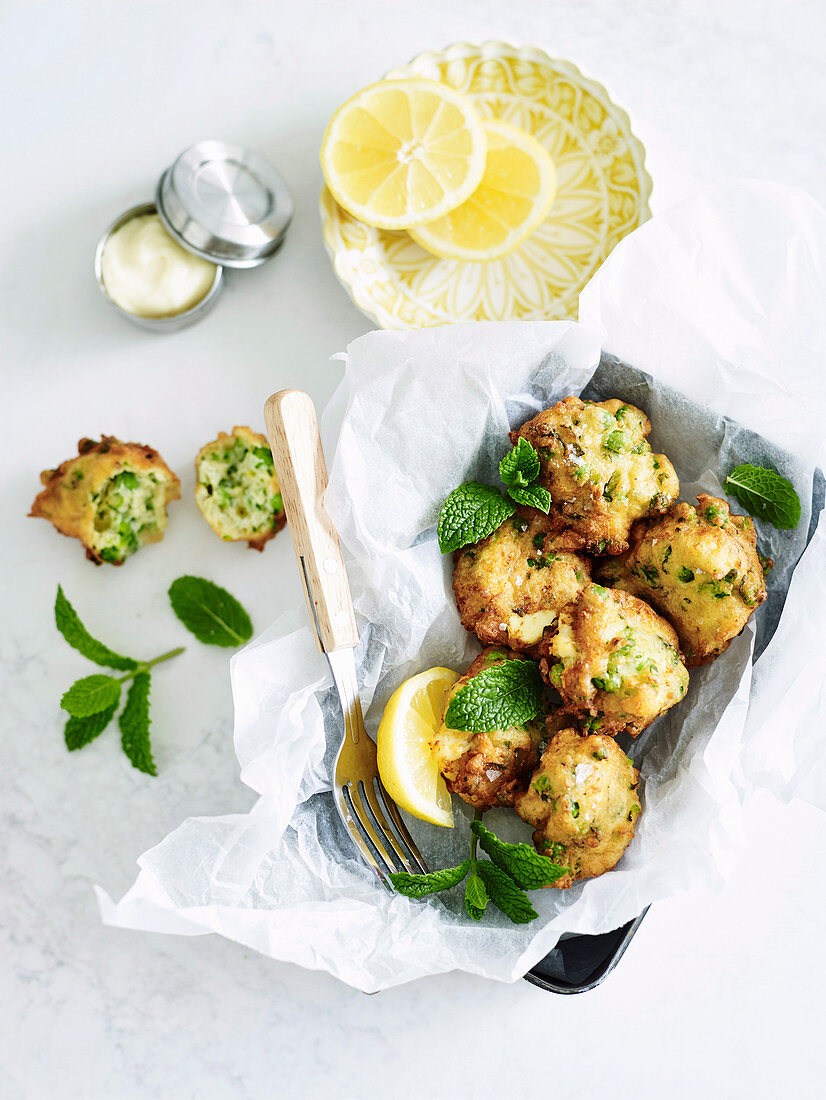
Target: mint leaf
[
  {"x": 766, "y": 495},
  {"x": 476, "y": 896},
  {"x": 80, "y": 731},
  {"x": 418, "y": 886},
  {"x": 209, "y": 612},
  {"x": 134, "y": 725},
  {"x": 525, "y": 866},
  {"x": 505, "y": 894},
  {"x": 520, "y": 466},
  {"x": 504, "y": 695},
  {"x": 470, "y": 514},
  {"x": 532, "y": 496},
  {"x": 91, "y": 695},
  {"x": 76, "y": 634}
]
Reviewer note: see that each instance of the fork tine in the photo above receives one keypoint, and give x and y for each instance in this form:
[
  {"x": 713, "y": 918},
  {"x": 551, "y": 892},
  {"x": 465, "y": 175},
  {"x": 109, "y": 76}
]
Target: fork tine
[
  {"x": 350, "y": 816},
  {"x": 393, "y": 811},
  {"x": 368, "y": 794},
  {"x": 375, "y": 834}
]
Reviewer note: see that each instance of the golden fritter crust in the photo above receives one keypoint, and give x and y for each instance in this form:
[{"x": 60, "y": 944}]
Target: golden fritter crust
[
  {"x": 599, "y": 469},
  {"x": 237, "y": 489},
  {"x": 510, "y": 586},
  {"x": 583, "y": 803},
  {"x": 112, "y": 496},
  {"x": 699, "y": 568},
  {"x": 486, "y": 769},
  {"x": 615, "y": 662}
]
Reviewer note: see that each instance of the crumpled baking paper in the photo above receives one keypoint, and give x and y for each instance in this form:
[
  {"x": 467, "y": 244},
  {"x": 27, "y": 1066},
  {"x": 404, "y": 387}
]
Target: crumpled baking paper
[{"x": 711, "y": 317}]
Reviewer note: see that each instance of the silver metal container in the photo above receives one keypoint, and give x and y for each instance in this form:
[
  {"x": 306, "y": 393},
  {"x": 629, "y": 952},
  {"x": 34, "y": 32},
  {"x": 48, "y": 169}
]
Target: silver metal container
[
  {"x": 219, "y": 202},
  {"x": 155, "y": 324}
]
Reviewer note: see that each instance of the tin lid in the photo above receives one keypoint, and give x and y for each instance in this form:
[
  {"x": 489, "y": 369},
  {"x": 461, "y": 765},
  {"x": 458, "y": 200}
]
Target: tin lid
[{"x": 225, "y": 204}]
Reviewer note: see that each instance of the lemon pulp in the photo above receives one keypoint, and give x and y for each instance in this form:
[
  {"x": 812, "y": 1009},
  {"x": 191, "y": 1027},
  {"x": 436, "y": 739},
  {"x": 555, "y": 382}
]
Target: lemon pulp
[
  {"x": 403, "y": 152},
  {"x": 411, "y": 719}
]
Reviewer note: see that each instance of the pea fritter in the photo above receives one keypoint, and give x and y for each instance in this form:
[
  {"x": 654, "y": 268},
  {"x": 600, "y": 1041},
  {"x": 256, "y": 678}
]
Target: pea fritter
[
  {"x": 486, "y": 769},
  {"x": 599, "y": 469},
  {"x": 700, "y": 569},
  {"x": 237, "y": 490},
  {"x": 583, "y": 803},
  {"x": 510, "y": 586},
  {"x": 112, "y": 496},
  {"x": 615, "y": 662}
]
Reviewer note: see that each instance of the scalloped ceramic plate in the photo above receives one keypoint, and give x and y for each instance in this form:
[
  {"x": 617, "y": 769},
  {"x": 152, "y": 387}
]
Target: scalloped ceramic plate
[{"x": 603, "y": 192}]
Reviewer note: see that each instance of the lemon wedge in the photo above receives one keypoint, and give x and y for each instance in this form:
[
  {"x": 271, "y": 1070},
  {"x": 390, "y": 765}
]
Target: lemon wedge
[
  {"x": 411, "y": 719},
  {"x": 513, "y": 198},
  {"x": 403, "y": 152}
]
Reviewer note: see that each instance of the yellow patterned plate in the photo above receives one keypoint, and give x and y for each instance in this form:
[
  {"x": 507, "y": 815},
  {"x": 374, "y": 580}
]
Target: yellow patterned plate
[{"x": 603, "y": 192}]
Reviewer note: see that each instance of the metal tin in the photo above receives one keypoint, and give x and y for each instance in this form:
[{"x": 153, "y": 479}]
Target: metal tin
[
  {"x": 155, "y": 324},
  {"x": 225, "y": 204}
]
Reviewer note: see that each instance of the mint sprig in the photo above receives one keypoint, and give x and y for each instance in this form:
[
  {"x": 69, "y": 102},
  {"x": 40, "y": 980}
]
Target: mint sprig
[
  {"x": 79, "y": 638},
  {"x": 518, "y": 470},
  {"x": 525, "y": 866},
  {"x": 502, "y": 881},
  {"x": 134, "y": 725},
  {"x": 765, "y": 494},
  {"x": 504, "y": 695},
  {"x": 470, "y": 514},
  {"x": 209, "y": 612},
  {"x": 520, "y": 466},
  {"x": 92, "y": 701},
  {"x": 532, "y": 496},
  {"x": 419, "y": 886},
  {"x": 505, "y": 893}
]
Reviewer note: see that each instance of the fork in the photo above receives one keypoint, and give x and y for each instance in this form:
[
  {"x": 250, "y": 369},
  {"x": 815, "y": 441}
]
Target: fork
[{"x": 367, "y": 810}]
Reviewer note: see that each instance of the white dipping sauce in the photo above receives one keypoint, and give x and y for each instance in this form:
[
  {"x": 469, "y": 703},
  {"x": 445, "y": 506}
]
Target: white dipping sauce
[{"x": 148, "y": 274}]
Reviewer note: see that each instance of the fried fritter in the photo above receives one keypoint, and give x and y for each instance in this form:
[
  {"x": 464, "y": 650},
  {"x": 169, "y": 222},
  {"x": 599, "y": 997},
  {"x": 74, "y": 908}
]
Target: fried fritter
[
  {"x": 112, "y": 497},
  {"x": 583, "y": 803},
  {"x": 700, "y": 569},
  {"x": 615, "y": 662},
  {"x": 237, "y": 490},
  {"x": 510, "y": 586},
  {"x": 599, "y": 469},
  {"x": 485, "y": 769}
]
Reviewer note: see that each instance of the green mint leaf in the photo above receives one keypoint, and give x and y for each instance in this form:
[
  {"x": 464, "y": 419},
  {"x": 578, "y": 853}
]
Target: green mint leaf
[
  {"x": 91, "y": 695},
  {"x": 476, "y": 896},
  {"x": 531, "y": 496},
  {"x": 766, "y": 495},
  {"x": 209, "y": 612},
  {"x": 525, "y": 866},
  {"x": 80, "y": 731},
  {"x": 470, "y": 514},
  {"x": 520, "y": 466},
  {"x": 505, "y": 894},
  {"x": 504, "y": 695},
  {"x": 134, "y": 725},
  {"x": 76, "y": 634},
  {"x": 418, "y": 886}
]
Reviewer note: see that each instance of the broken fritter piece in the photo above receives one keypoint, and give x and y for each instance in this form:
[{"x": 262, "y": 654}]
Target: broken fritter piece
[
  {"x": 583, "y": 803},
  {"x": 237, "y": 489},
  {"x": 486, "y": 769},
  {"x": 599, "y": 469},
  {"x": 615, "y": 662},
  {"x": 112, "y": 496},
  {"x": 510, "y": 586},
  {"x": 699, "y": 568}
]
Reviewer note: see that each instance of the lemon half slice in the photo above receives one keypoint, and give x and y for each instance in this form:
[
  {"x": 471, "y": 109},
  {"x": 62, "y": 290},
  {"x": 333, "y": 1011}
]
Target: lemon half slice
[
  {"x": 403, "y": 152},
  {"x": 411, "y": 719},
  {"x": 514, "y": 196}
]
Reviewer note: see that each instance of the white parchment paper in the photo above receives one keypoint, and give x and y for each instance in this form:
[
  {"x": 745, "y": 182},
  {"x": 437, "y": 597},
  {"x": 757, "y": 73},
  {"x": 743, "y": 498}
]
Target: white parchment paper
[{"x": 719, "y": 306}]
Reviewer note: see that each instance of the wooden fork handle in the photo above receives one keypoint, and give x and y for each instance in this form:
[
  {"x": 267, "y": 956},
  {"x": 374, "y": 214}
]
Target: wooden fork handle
[{"x": 302, "y": 476}]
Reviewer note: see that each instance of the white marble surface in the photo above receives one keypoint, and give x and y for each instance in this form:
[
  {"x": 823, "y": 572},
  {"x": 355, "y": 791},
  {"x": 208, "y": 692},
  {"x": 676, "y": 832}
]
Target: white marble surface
[{"x": 718, "y": 995}]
